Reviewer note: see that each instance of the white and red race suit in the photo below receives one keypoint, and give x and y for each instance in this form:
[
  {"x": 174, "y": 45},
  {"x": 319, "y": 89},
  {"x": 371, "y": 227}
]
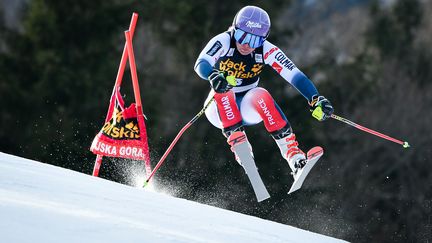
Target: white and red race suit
[{"x": 246, "y": 103}]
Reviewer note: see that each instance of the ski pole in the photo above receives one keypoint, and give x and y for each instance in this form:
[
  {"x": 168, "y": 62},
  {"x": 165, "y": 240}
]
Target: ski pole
[
  {"x": 231, "y": 81},
  {"x": 176, "y": 139},
  {"x": 404, "y": 144}
]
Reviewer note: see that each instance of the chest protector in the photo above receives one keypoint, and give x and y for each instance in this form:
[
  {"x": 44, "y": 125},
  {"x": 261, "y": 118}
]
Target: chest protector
[{"x": 245, "y": 68}]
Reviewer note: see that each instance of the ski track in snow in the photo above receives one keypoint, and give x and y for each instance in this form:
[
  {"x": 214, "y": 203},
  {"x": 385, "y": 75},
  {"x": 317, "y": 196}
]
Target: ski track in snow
[{"x": 44, "y": 203}]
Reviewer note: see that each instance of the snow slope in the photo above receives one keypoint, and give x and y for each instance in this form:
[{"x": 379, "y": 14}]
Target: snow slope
[{"x": 44, "y": 203}]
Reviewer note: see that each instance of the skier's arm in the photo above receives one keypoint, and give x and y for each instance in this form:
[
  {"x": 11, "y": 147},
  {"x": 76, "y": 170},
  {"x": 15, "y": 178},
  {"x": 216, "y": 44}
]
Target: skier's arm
[
  {"x": 203, "y": 68},
  {"x": 274, "y": 57},
  {"x": 320, "y": 107},
  {"x": 205, "y": 64},
  {"x": 214, "y": 49},
  {"x": 304, "y": 85}
]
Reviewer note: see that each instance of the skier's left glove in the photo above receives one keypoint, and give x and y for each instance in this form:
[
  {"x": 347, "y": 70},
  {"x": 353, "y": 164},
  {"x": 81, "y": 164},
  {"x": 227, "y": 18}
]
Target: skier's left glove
[{"x": 320, "y": 107}]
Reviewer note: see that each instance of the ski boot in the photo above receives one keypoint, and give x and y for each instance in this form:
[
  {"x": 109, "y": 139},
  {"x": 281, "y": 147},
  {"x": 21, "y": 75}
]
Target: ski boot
[
  {"x": 236, "y": 137},
  {"x": 291, "y": 153}
]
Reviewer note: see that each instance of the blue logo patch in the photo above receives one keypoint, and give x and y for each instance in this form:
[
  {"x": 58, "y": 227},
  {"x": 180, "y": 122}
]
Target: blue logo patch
[{"x": 214, "y": 49}]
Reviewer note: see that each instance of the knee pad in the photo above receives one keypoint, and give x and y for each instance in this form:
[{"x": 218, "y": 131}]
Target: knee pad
[{"x": 266, "y": 107}]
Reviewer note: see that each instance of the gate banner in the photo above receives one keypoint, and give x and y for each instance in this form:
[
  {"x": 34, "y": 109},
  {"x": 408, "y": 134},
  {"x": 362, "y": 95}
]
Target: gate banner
[
  {"x": 122, "y": 136},
  {"x": 124, "y": 133}
]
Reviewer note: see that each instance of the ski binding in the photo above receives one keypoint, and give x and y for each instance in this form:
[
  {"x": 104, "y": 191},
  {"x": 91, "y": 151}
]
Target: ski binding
[{"x": 313, "y": 155}]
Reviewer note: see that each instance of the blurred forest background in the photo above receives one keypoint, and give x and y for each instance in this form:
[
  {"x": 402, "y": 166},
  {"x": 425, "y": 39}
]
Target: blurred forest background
[{"x": 372, "y": 59}]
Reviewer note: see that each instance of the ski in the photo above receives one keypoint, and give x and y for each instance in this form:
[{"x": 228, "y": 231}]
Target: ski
[
  {"x": 241, "y": 149},
  {"x": 313, "y": 155}
]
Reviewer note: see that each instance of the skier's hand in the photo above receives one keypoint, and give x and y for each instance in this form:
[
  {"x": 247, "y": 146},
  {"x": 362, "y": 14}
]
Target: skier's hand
[
  {"x": 321, "y": 108},
  {"x": 219, "y": 82}
]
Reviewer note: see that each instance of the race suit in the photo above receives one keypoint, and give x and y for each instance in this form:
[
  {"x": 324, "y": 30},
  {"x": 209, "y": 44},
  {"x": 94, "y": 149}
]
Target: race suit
[{"x": 246, "y": 103}]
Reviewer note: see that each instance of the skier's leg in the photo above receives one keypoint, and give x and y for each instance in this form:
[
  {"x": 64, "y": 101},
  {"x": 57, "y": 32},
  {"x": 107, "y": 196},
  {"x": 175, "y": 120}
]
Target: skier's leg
[
  {"x": 258, "y": 105},
  {"x": 259, "y": 101},
  {"x": 229, "y": 113},
  {"x": 288, "y": 145},
  {"x": 225, "y": 114}
]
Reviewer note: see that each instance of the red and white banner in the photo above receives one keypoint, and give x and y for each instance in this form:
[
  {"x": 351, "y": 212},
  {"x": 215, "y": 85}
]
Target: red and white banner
[
  {"x": 122, "y": 136},
  {"x": 124, "y": 133}
]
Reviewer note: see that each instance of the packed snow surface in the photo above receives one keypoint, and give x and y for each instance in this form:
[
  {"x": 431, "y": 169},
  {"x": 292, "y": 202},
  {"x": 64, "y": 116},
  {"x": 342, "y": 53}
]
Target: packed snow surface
[{"x": 45, "y": 203}]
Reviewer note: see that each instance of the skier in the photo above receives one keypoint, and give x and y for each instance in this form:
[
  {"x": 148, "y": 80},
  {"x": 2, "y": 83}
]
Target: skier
[{"x": 242, "y": 51}]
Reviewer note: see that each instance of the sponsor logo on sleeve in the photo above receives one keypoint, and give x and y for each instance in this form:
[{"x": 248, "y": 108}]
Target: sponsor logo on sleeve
[
  {"x": 214, "y": 49},
  {"x": 284, "y": 61},
  {"x": 276, "y": 67},
  {"x": 267, "y": 54}
]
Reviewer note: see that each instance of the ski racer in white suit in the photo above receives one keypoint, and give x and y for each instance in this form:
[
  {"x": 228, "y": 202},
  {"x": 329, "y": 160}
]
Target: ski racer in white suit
[{"x": 242, "y": 52}]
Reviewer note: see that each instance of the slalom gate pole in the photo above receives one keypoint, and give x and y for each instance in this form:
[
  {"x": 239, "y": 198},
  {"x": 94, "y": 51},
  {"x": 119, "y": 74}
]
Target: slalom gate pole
[
  {"x": 404, "y": 144},
  {"x": 136, "y": 89},
  {"x": 122, "y": 66},
  {"x": 176, "y": 139},
  {"x": 125, "y": 53},
  {"x": 97, "y": 165},
  {"x": 119, "y": 77}
]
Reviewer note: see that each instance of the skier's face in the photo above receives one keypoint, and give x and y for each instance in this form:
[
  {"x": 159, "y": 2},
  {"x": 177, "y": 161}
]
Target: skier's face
[{"x": 244, "y": 49}]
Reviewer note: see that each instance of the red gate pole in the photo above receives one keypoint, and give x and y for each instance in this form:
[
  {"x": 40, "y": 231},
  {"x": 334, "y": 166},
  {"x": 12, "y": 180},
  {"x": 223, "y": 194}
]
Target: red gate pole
[
  {"x": 118, "y": 82},
  {"x": 140, "y": 116},
  {"x": 97, "y": 165}
]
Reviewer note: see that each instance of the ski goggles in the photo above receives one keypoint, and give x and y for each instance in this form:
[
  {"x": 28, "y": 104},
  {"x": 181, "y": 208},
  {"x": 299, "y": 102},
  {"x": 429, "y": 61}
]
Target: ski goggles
[{"x": 242, "y": 37}]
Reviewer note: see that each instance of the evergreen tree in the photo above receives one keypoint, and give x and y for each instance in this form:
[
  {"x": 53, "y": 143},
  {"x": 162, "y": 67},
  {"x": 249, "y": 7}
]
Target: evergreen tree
[{"x": 57, "y": 70}]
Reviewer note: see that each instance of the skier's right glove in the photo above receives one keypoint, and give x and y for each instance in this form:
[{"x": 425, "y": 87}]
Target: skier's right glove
[
  {"x": 321, "y": 108},
  {"x": 219, "y": 82}
]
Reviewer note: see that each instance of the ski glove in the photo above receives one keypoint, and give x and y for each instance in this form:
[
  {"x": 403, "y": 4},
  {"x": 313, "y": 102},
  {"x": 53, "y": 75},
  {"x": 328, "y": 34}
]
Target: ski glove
[
  {"x": 219, "y": 82},
  {"x": 321, "y": 107}
]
